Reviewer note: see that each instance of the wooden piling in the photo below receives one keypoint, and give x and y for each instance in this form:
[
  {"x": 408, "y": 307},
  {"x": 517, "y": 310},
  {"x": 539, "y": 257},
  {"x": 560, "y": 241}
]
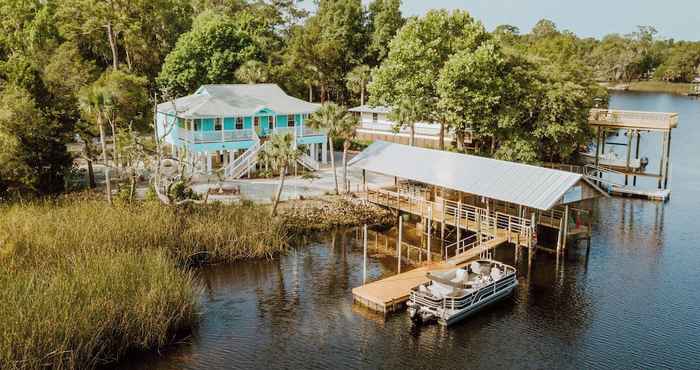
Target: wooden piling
[
  {"x": 364, "y": 256},
  {"x": 400, "y": 245}
]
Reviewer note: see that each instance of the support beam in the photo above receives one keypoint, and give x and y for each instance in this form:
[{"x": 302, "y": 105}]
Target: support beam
[
  {"x": 324, "y": 152},
  {"x": 400, "y": 241},
  {"x": 430, "y": 237},
  {"x": 636, "y": 155},
  {"x": 364, "y": 255},
  {"x": 566, "y": 227},
  {"x": 664, "y": 142},
  {"x": 668, "y": 159},
  {"x": 629, "y": 153}
]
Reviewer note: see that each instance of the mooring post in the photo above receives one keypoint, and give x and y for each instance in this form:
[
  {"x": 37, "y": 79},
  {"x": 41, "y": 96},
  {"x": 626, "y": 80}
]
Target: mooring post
[
  {"x": 364, "y": 256},
  {"x": 668, "y": 159},
  {"x": 400, "y": 240},
  {"x": 430, "y": 227},
  {"x": 636, "y": 154},
  {"x": 629, "y": 154}
]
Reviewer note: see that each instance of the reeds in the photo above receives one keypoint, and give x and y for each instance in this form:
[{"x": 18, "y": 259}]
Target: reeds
[{"x": 82, "y": 283}]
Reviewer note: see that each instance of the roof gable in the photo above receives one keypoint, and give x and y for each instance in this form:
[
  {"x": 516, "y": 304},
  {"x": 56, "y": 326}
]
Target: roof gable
[{"x": 237, "y": 100}]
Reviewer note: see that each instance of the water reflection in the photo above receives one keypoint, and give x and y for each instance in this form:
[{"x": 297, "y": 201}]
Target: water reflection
[{"x": 631, "y": 305}]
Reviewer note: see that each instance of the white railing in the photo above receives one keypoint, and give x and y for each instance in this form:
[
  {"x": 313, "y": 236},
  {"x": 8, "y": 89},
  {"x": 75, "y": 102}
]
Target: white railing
[
  {"x": 203, "y": 137},
  {"x": 424, "y": 129},
  {"x": 622, "y": 117},
  {"x": 248, "y": 159},
  {"x": 487, "y": 222},
  {"x": 308, "y": 162}
]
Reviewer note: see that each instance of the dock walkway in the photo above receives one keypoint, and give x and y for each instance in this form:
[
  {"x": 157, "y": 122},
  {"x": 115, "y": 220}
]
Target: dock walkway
[{"x": 389, "y": 294}]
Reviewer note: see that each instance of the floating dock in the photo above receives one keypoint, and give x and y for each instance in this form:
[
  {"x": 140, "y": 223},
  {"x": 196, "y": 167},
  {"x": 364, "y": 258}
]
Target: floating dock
[{"x": 389, "y": 294}]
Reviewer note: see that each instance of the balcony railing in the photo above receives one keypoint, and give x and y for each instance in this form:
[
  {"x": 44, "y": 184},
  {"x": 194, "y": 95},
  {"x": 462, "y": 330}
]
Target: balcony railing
[
  {"x": 204, "y": 137},
  {"x": 421, "y": 128},
  {"x": 624, "y": 118}
]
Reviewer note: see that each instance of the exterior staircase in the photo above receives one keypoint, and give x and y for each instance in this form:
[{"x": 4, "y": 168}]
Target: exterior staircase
[
  {"x": 308, "y": 162},
  {"x": 240, "y": 166}
]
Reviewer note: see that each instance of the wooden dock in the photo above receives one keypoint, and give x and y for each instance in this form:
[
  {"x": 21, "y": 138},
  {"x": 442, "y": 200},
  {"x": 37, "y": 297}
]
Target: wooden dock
[{"x": 390, "y": 294}]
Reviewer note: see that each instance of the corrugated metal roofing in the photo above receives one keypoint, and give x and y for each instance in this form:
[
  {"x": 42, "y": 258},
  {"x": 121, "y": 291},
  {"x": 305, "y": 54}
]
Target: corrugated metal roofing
[
  {"x": 236, "y": 100},
  {"x": 531, "y": 186}
]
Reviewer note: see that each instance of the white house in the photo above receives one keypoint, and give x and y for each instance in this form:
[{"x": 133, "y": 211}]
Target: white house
[{"x": 375, "y": 124}]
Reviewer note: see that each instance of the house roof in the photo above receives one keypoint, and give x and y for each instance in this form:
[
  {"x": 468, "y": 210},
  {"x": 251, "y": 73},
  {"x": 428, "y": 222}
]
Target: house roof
[
  {"x": 236, "y": 100},
  {"x": 516, "y": 183},
  {"x": 370, "y": 109}
]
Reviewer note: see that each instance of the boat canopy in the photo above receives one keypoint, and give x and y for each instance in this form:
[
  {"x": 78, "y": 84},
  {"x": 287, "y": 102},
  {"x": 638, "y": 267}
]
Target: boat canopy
[{"x": 516, "y": 183}]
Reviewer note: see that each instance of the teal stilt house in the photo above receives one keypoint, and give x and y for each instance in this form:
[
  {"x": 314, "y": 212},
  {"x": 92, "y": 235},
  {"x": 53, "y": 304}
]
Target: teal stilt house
[{"x": 226, "y": 125}]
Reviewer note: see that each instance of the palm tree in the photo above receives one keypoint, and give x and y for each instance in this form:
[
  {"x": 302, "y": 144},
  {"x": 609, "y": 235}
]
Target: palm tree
[
  {"x": 406, "y": 113},
  {"x": 279, "y": 153},
  {"x": 346, "y": 130},
  {"x": 95, "y": 101},
  {"x": 252, "y": 72},
  {"x": 357, "y": 80},
  {"x": 336, "y": 121}
]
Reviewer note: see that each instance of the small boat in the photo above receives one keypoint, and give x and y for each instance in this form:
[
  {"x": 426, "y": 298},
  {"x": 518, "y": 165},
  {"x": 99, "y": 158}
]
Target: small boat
[
  {"x": 613, "y": 160},
  {"x": 451, "y": 296}
]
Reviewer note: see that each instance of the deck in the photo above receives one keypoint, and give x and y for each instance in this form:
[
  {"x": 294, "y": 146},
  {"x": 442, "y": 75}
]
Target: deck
[
  {"x": 389, "y": 294},
  {"x": 513, "y": 229}
]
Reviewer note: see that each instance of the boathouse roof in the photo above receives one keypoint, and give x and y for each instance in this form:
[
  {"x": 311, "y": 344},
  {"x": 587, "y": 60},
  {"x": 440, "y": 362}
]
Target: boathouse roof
[
  {"x": 516, "y": 183},
  {"x": 212, "y": 101}
]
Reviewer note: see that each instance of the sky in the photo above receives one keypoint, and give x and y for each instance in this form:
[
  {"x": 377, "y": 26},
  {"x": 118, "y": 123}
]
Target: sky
[{"x": 677, "y": 19}]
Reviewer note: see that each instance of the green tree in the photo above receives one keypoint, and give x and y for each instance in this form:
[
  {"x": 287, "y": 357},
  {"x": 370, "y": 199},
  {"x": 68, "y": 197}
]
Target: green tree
[
  {"x": 209, "y": 53},
  {"x": 333, "y": 42},
  {"x": 485, "y": 91},
  {"x": 384, "y": 21},
  {"x": 357, "y": 80},
  {"x": 406, "y": 113},
  {"x": 279, "y": 152},
  {"x": 34, "y": 157},
  {"x": 252, "y": 72},
  {"x": 97, "y": 103},
  {"x": 417, "y": 54},
  {"x": 337, "y": 122}
]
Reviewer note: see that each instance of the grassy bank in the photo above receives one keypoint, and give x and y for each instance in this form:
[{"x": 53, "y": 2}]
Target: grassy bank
[
  {"x": 652, "y": 86},
  {"x": 82, "y": 283}
]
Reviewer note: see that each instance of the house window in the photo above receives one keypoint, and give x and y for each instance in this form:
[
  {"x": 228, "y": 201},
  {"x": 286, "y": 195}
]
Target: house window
[
  {"x": 239, "y": 123},
  {"x": 198, "y": 125},
  {"x": 217, "y": 124},
  {"x": 290, "y": 120},
  {"x": 375, "y": 117}
]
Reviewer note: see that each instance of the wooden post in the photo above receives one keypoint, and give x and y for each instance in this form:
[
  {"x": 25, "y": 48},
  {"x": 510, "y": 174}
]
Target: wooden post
[
  {"x": 668, "y": 159},
  {"x": 442, "y": 224},
  {"x": 364, "y": 255},
  {"x": 400, "y": 241},
  {"x": 566, "y": 227},
  {"x": 458, "y": 217},
  {"x": 364, "y": 179},
  {"x": 430, "y": 227},
  {"x": 663, "y": 159},
  {"x": 636, "y": 154},
  {"x": 629, "y": 152},
  {"x": 597, "y": 150},
  {"x": 561, "y": 227}
]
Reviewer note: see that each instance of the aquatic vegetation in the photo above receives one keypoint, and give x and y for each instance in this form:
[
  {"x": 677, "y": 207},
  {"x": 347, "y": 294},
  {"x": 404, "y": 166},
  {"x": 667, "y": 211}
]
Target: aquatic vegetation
[{"x": 83, "y": 283}]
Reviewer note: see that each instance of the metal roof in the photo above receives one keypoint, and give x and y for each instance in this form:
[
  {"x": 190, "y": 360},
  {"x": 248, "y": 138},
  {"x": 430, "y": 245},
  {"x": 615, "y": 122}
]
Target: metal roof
[
  {"x": 210, "y": 101},
  {"x": 516, "y": 183}
]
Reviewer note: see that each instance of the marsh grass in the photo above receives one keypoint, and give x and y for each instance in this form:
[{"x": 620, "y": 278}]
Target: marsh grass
[{"x": 82, "y": 284}]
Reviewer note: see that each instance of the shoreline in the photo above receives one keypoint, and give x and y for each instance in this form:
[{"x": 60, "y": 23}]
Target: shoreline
[{"x": 675, "y": 88}]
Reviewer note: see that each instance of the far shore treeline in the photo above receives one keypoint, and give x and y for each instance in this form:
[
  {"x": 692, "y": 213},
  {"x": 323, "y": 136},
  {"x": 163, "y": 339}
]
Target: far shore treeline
[{"x": 64, "y": 64}]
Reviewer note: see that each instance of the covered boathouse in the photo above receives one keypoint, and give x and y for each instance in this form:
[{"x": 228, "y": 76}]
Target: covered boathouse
[
  {"x": 498, "y": 199},
  {"x": 226, "y": 125},
  {"x": 477, "y": 203}
]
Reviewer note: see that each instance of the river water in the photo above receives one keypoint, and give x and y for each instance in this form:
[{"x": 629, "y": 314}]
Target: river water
[{"x": 633, "y": 303}]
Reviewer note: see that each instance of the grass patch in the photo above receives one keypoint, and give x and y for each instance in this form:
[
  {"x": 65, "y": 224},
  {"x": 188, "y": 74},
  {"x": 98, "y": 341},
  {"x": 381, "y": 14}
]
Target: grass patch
[
  {"x": 82, "y": 283},
  {"x": 657, "y": 86}
]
